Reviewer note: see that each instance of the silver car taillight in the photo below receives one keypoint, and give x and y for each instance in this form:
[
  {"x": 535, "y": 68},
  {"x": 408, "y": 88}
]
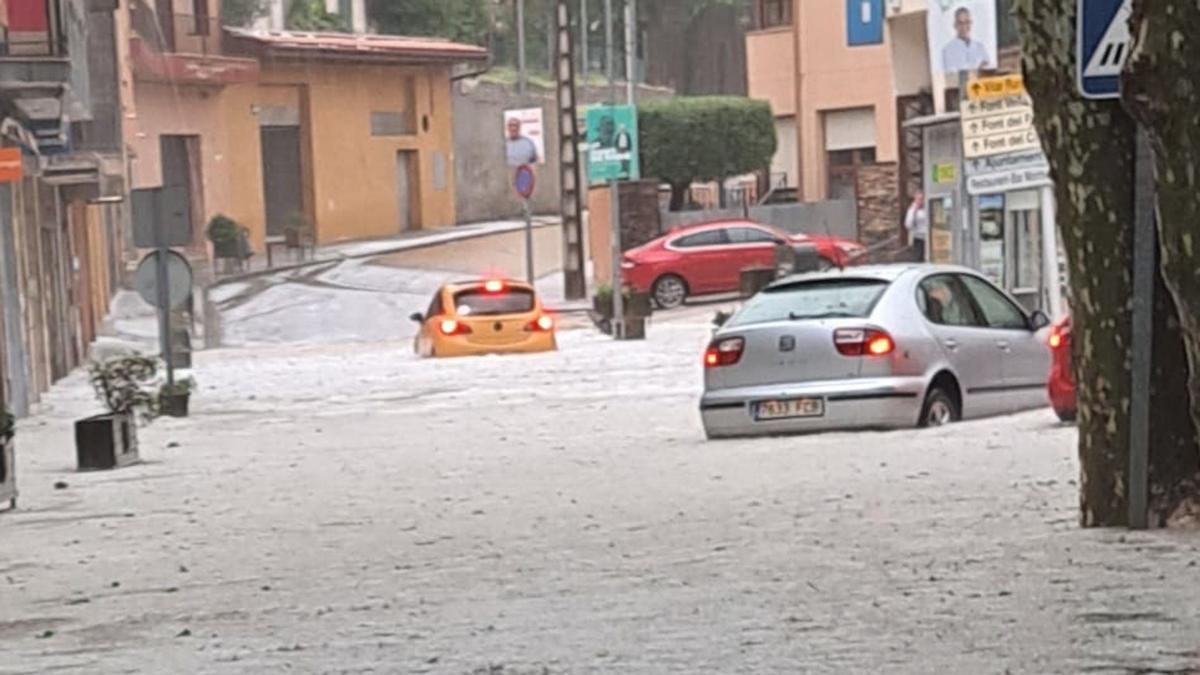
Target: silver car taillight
[
  {"x": 724, "y": 352},
  {"x": 863, "y": 342}
]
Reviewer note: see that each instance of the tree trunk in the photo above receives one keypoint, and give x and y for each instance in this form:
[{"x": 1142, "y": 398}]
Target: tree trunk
[
  {"x": 1090, "y": 146},
  {"x": 1160, "y": 88},
  {"x": 679, "y": 192}
]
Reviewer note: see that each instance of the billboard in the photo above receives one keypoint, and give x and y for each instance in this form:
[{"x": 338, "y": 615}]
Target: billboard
[
  {"x": 962, "y": 35},
  {"x": 612, "y": 141},
  {"x": 524, "y": 137}
]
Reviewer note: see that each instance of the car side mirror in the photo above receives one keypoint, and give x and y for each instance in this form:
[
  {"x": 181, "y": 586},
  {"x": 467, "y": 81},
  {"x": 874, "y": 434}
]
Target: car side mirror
[
  {"x": 720, "y": 318},
  {"x": 417, "y": 316},
  {"x": 1039, "y": 320}
]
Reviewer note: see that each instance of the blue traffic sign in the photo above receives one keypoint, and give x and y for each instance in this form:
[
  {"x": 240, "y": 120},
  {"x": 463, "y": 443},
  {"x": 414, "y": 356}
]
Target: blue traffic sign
[
  {"x": 1104, "y": 45},
  {"x": 524, "y": 181}
]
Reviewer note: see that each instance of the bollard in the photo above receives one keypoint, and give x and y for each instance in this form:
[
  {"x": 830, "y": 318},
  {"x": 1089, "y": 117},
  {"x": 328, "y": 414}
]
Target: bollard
[
  {"x": 8, "y": 473},
  {"x": 106, "y": 442},
  {"x": 754, "y": 279}
]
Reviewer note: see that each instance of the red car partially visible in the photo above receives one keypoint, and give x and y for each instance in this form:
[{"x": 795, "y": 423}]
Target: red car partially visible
[
  {"x": 1061, "y": 385},
  {"x": 709, "y": 258}
]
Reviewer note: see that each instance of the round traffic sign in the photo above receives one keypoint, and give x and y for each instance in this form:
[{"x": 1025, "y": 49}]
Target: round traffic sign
[
  {"x": 524, "y": 181},
  {"x": 179, "y": 279}
]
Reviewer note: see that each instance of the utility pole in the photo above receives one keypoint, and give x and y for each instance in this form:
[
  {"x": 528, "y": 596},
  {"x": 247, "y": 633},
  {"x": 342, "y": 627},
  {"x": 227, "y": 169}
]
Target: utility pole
[
  {"x": 610, "y": 64},
  {"x": 584, "y": 66},
  {"x": 521, "y": 74},
  {"x": 631, "y": 52},
  {"x": 570, "y": 171}
]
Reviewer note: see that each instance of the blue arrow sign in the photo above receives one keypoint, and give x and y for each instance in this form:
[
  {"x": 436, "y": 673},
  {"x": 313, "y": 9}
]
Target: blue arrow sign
[{"x": 1104, "y": 45}]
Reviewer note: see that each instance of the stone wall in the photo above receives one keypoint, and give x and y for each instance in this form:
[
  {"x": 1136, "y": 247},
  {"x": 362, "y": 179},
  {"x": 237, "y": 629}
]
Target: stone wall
[{"x": 880, "y": 214}]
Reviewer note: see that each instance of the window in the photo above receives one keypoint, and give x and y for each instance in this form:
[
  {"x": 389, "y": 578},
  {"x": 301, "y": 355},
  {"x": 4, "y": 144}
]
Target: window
[
  {"x": 945, "y": 301},
  {"x": 484, "y": 303},
  {"x": 773, "y": 13},
  {"x": 997, "y": 309},
  {"x": 750, "y": 235},
  {"x": 850, "y": 298},
  {"x": 1027, "y": 263},
  {"x": 706, "y": 238},
  {"x": 843, "y": 171},
  {"x": 864, "y": 22}
]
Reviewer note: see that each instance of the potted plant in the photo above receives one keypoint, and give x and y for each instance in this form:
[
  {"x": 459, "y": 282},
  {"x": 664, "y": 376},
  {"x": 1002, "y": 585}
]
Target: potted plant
[
  {"x": 229, "y": 239},
  {"x": 173, "y": 398},
  {"x": 8, "y": 476},
  {"x": 635, "y": 307},
  {"x": 122, "y": 384},
  {"x": 298, "y": 231}
]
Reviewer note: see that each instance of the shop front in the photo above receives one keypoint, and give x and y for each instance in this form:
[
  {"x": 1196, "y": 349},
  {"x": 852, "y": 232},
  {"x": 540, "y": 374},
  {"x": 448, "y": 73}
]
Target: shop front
[{"x": 995, "y": 214}]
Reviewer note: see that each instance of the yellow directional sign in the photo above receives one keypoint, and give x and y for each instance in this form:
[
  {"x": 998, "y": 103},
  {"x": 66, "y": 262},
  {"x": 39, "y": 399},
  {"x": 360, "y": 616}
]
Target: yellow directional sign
[{"x": 991, "y": 88}]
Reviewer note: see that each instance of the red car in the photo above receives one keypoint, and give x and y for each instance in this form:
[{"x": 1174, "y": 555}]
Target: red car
[
  {"x": 709, "y": 258},
  {"x": 1061, "y": 385}
]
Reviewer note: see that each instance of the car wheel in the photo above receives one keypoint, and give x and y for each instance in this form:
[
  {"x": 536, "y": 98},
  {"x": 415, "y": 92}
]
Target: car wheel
[
  {"x": 939, "y": 409},
  {"x": 669, "y": 291}
]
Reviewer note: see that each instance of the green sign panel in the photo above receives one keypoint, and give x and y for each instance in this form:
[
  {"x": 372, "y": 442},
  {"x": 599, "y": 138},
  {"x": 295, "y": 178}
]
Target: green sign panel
[{"x": 612, "y": 135}]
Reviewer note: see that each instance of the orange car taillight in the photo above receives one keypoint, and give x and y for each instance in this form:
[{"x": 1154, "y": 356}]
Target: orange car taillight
[
  {"x": 726, "y": 352},
  {"x": 452, "y": 327},
  {"x": 863, "y": 342},
  {"x": 544, "y": 324}
]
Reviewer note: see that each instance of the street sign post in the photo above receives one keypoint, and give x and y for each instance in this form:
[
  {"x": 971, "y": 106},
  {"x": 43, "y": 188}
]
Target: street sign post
[
  {"x": 178, "y": 280},
  {"x": 1104, "y": 42},
  {"x": 524, "y": 180},
  {"x": 612, "y": 134},
  {"x": 997, "y": 118}
]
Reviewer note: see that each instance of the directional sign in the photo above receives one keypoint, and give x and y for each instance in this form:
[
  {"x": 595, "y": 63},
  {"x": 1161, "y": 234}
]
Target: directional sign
[
  {"x": 992, "y": 88},
  {"x": 998, "y": 126},
  {"x": 1104, "y": 44}
]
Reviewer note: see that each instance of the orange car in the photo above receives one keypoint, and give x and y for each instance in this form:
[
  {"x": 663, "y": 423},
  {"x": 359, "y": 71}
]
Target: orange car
[{"x": 484, "y": 317}]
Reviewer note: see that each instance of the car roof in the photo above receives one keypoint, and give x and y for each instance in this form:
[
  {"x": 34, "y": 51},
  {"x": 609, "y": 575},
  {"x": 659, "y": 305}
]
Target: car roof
[
  {"x": 888, "y": 273},
  {"x": 715, "y": 224},
  {"x": 472, "y": 284}
]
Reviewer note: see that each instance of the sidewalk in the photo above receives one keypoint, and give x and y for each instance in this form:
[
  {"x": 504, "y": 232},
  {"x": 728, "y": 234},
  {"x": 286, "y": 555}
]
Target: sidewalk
[{"x": 350, "y": 250}]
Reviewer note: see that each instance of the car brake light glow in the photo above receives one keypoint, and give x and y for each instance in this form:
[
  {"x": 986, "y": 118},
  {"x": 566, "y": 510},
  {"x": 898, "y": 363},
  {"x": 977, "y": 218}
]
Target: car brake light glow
[
  {"x": 863, "y": 342},
  {"x": 1056, "y": 339},
  {"x": 726, "y": 352},
  {"x": 452, "y": 327},
  {"x": 543, "y": 324},
  {"x": 493, "y": 286}
]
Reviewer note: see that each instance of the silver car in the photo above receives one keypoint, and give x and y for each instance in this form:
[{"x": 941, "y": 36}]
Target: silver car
[{"x": 873, "y": 347}]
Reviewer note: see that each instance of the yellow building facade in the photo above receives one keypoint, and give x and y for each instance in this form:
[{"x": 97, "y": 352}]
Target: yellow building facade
[{"x": 353, "y": 133}]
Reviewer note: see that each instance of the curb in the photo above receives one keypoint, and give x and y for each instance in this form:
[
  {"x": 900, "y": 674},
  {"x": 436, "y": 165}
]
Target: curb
[{"x": 413, "y": 245}]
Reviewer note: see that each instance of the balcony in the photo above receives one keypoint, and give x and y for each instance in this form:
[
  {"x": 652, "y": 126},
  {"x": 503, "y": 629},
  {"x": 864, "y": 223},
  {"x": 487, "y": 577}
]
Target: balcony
[{"x": 184, "y": 49}]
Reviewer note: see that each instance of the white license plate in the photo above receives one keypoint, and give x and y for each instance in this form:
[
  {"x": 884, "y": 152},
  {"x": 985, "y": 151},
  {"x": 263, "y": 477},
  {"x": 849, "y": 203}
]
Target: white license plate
[{"x": 789, "y": 408}]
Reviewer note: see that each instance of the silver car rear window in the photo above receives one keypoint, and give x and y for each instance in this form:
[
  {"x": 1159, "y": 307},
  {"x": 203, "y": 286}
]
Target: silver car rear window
[{"x": 817, "y": 299}]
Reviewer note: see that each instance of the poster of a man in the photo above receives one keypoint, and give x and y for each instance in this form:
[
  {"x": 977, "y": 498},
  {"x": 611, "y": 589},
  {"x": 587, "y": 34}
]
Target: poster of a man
[
  {"x": 523, "y": 140},
  {"x": 962, "y": 35}
]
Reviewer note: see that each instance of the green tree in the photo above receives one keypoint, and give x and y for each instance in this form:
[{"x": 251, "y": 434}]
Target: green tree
[
  {"x": 461, "y": 20},
  {"x": 707, "y": 138},
  {"x": 1090, "y": 145},
  {"x": 240, "y": 13},
  {"x": 310, "y": 15}
]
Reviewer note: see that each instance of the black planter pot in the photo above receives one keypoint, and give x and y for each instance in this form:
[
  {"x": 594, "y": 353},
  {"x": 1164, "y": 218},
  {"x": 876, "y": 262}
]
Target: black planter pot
[
  {"x": 106, "y": 442},
  {"x": 8, "y": 475},
  {"x": 174, "y": 405}
]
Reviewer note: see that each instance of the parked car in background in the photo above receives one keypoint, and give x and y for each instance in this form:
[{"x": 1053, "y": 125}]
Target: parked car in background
[
  {"x": 1061, "y": 384},
  {"x": 873, "y": 347},
  {"x": 708, "y": 258},
  {"x": 490, "y": 316}
]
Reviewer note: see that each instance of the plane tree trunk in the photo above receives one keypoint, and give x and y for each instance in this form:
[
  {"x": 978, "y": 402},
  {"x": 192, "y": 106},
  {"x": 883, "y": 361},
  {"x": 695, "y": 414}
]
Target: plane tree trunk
[{"x": 1090, "y": 146}]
